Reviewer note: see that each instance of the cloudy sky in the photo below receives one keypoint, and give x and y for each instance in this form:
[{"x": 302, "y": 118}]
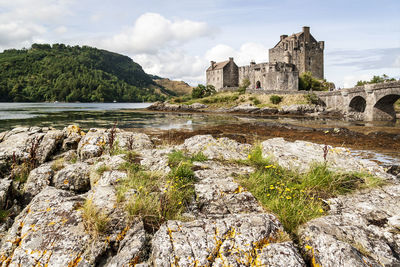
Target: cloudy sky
[{"x": 178, "y": 38}]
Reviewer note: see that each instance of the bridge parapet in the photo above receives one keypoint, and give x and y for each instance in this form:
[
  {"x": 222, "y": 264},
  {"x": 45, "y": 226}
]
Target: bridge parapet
[{"x": 374, "y": 101}]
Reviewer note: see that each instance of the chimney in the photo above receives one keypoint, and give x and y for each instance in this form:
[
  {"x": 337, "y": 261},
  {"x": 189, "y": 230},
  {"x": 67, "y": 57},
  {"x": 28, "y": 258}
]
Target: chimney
[
  {"x": 306, "y": 31},
  {"x": 212, "y": 64},
  {"x": 231, "y": 59},
  {"x": 283, "y": 36}
]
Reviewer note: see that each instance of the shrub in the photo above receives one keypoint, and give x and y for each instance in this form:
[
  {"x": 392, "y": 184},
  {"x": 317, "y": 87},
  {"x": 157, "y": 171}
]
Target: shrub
[
  {"x": 275, "y": 99},
  {"x": 307, "y": 82},
  {"x": 219, "y": 99},
  {"x": 203, "y": 91},
  {"x": 243, "y": 86},
  {"x": 312, "y": 98}
]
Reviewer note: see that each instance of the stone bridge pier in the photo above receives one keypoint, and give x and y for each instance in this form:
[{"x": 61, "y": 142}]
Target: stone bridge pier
[{"x": 373, "y": 101}]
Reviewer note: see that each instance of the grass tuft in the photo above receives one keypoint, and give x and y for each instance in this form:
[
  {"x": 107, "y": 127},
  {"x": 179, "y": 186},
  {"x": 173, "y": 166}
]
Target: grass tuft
[
  {"x": 154, "y": 197},
  {"x": 4, "y": 214},
  {"x": 297, "y": 198},
  {"x": 57, "y": 164},
  {"x": 95, "y": 221}
]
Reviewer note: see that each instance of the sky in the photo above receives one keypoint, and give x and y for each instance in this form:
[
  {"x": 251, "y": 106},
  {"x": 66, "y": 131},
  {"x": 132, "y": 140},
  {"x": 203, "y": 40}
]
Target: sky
[{"x": 178, "y": 39}]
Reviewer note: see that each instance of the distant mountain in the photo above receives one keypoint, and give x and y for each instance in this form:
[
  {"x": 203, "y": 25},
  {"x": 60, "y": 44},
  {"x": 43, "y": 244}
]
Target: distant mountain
[
  {"x": 179, "y": 87},
  {"x": 71, "y": 73}
]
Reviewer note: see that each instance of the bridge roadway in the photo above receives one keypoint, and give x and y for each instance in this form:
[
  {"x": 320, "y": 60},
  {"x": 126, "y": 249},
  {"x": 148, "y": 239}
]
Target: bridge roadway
[{"x": 375, "y": 101}]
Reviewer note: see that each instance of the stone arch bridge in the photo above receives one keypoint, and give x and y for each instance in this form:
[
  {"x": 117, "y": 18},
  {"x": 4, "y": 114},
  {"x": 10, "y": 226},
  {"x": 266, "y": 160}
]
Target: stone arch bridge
[{"x": 374, "y": 101}]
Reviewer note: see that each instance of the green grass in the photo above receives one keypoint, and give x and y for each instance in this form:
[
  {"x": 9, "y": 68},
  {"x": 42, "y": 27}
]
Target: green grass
[
  {"x": 155, "y": 197},
  {"x": 21, "y": 172},
  {"x": 95, "y": 221},
  {"x": 57, "y": 164},
  {"x": 4, "y": 215},
  {"x": 219, "y": 99},
  {"x": 397, "y": 105},
  {"x": 297, "y": 198},
  {"x": 102, "y": 169},
  {"x": 177, "y": 156}
]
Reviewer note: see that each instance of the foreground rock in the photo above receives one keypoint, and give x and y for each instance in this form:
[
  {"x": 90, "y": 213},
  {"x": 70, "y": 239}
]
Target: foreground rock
[
  {"x": 300, "y": 155},
  {"x": 21, "y": 144},
  {"x": 361, "y": 230},
  {"x": 221, "y": 148},
  {"x": 96, "y": 141},
  {"x": 49, "y": 231},
  {"x": 236, "y": 240},
  {"x": 224, "y": 225},
  {"x": 217, "y": 193}
]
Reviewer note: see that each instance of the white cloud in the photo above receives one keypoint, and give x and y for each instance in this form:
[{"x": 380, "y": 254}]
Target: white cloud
[
  {"x": 350, "y": 81},
  {"x": 174, "y": 64},
  {"x": 24, "y": 21},
  {"x": 246, "y": 53},
  {"x": 152, "y": 32},
  {"x": 396, "y": 63},
  {"x": 61, "y": 30},
  {"x": 18, "y": 32}
]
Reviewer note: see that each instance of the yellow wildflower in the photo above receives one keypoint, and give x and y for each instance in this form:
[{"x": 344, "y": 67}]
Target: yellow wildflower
[
  {"x": 308, "y": 247},
  {"x": 321, "y": 210},
  {"x": 249, "y": 156}
]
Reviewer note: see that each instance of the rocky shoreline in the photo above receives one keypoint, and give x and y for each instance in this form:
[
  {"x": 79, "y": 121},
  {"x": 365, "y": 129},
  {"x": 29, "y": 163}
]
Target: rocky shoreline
[
  {"x": 50, "y": 178},
  {"x": 298, "y": 109}
]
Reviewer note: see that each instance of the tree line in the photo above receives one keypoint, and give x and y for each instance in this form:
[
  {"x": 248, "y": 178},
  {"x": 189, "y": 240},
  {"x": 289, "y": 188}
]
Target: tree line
[{"x": 60, "y": 72}]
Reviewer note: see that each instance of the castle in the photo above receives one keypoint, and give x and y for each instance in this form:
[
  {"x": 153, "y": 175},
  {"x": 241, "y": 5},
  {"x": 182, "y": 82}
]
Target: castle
[{"x": 291, "y": 56}]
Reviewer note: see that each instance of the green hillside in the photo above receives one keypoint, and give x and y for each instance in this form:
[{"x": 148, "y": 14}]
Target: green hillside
[{"x": 65, "y": 73}]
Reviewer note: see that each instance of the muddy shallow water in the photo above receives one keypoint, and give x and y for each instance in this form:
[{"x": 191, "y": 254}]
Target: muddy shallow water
[{"x": 381, "y": 137}]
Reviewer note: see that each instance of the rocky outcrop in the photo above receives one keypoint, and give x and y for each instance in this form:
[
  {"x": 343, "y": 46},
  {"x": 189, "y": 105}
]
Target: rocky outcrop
[
  {"x": 221, "y": 148},
  {"x": 92, "y": 144},
  {"x": 236, "y": 240},
  {"x": 48, "y": 231},
  {"x": 224, "y": 225},
  {"x": 5, "y": 185},
  {"x": 38, "y": 179},
  {"x": 360, "y": 230},
  {"x": 217, "y": 193},
  {"x": 161, "y": 106},
  {"x": 74, "y": 177},
  {"x": 156, "y": 159},
  {"x": 300, "y": 155},
  {"x": 300, "y": 109}
]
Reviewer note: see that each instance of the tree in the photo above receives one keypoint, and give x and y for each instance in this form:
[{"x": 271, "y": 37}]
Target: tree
[
  {"x": 202, "y": 91},
  {"x": 307, "y": 82},
  {"x": 243, "y": 86},
  {"x": 376, "y": 79}
]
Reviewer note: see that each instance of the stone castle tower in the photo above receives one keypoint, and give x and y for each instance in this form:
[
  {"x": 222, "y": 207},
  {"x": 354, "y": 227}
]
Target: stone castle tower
[
  {"x": 290, "y": 57},
  {"x": 302, "y": 50}
]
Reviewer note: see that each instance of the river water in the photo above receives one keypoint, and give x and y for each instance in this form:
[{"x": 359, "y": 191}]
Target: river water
[{"x": 129, "y": 116}]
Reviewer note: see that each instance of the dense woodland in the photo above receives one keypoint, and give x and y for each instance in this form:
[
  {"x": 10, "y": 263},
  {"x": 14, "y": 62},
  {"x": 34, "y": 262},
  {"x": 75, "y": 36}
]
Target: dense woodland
[{"x": 65, "y": 73}]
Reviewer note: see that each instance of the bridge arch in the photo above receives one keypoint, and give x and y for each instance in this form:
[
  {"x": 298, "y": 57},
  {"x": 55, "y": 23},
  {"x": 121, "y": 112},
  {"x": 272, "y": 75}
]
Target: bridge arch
[
  {"x": 358, "y": 104},
  {"x": 384, "y": 107}
]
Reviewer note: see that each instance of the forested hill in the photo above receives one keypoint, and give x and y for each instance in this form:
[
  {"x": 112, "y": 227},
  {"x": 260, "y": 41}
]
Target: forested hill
[{"x": 65, "y": 73}]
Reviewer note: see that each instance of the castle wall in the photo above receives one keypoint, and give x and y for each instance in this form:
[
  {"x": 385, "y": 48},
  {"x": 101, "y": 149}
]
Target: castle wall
[
  {"x": 231, "y": 75},
  {"x": 271, "y": 76},
  {"x": 215, "y": 78}
]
